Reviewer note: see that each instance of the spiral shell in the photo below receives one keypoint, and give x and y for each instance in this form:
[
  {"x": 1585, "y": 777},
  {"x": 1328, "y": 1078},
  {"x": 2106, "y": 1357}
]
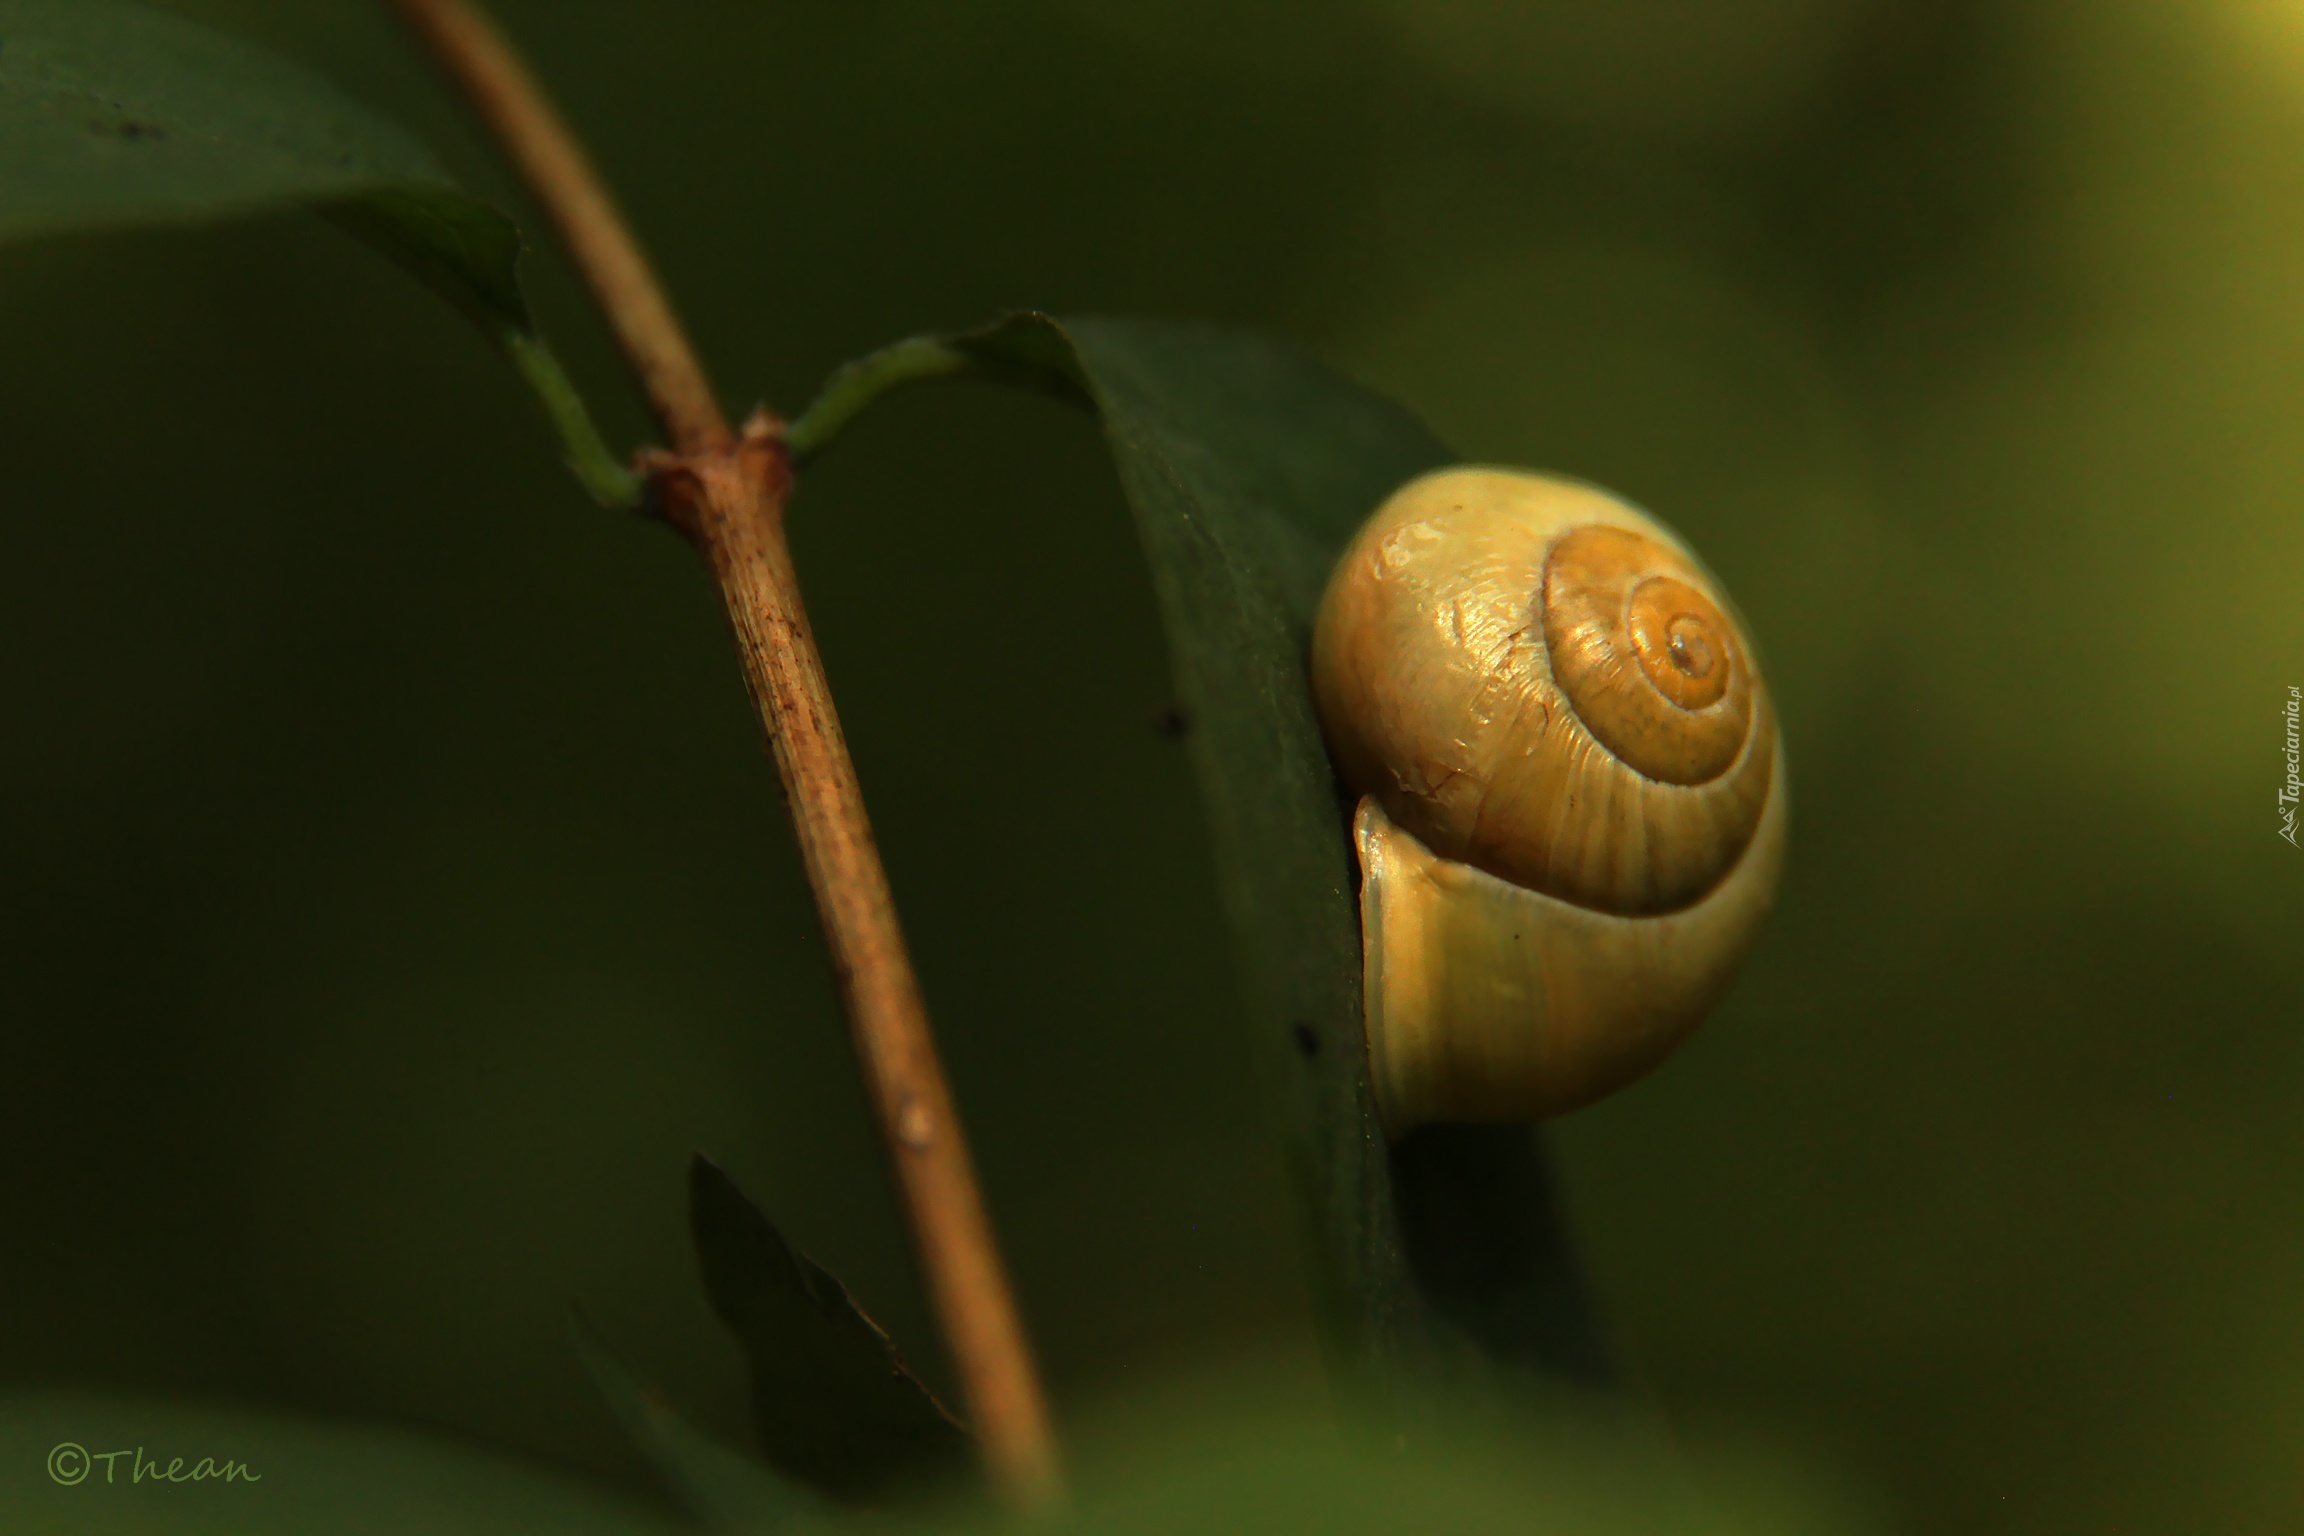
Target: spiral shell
[{"x": 1575, "y": 796}]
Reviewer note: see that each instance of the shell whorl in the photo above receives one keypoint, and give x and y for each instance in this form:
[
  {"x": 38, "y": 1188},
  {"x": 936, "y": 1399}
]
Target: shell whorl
[{"x": 1538, "y": 680}]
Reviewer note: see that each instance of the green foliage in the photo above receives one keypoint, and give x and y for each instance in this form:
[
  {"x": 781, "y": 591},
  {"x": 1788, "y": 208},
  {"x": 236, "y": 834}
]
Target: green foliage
[
  {"x": 395, "y": 891},
  {"x": 112, "y": 115},
  {"x": 832, "y": 1400},
  {"x": 1219, "y": 1461},
  {"x": 1247, "y": 466}
]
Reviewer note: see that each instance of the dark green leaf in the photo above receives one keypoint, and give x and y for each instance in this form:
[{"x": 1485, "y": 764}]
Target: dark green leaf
[
  {"x": 1247, "y": 467},
  {"x": 112, "y": 115},
  {"x": 724, "y": 1491},
  {"x": 308, "y": 1476},
  {"x": 833, "y": 1400}
]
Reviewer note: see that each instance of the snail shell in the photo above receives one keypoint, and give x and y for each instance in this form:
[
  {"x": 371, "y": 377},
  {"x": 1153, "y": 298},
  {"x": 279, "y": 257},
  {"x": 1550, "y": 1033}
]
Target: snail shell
[{"x": 1573, "y": 791}]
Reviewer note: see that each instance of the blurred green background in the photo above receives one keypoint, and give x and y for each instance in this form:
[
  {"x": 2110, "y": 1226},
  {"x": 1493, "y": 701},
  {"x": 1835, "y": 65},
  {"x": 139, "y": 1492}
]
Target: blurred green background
[{"x": 393, "y": 888}]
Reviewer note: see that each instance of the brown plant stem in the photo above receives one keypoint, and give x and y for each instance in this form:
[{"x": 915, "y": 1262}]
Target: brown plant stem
[
  {"x": 512, "y": 102},
  {"x": 728, "y": 491}
]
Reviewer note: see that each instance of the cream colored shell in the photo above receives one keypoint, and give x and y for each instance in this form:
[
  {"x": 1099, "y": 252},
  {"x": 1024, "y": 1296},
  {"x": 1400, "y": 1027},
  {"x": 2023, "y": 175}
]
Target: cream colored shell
[{"x": 1574, "y": 810}]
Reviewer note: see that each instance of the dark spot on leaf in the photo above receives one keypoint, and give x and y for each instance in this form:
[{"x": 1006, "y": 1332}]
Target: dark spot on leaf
[
  {"x": 1173, "y": 722},
  {"x": 130, "y": 129},
  {"x": 1306, "y": 1037}
]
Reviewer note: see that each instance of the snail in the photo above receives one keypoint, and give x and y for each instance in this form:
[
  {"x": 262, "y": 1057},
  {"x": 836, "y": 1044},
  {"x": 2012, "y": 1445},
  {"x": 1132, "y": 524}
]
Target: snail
[{"x": 1571, "y": 782}]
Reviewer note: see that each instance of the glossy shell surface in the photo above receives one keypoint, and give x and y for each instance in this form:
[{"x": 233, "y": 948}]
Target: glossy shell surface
[{"x": 1575, "y": 797}]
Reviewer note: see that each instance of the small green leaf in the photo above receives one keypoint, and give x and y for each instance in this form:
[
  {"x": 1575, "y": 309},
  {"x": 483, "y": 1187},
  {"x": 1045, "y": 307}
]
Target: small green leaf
[
  {"x": 286, "y": 1477},
  {"x": 1247, "y": 467},
  {"x": 834, "y": 1403},
  {"x": 113, "y": 116},
  {"x": 724, "y": 1491}
]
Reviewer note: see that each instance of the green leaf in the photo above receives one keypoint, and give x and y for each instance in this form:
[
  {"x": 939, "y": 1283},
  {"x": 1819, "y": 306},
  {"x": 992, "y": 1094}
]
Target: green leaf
[
  {"x": 1247, "y": 466},
  {"x": 289, "y": 1476},
  {"x": 724, "y": 1491},
  {"x": 834, "y": 1403},
  {"x": 113, "y": 116},
  {"x": 1232, "y": 1453}
]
